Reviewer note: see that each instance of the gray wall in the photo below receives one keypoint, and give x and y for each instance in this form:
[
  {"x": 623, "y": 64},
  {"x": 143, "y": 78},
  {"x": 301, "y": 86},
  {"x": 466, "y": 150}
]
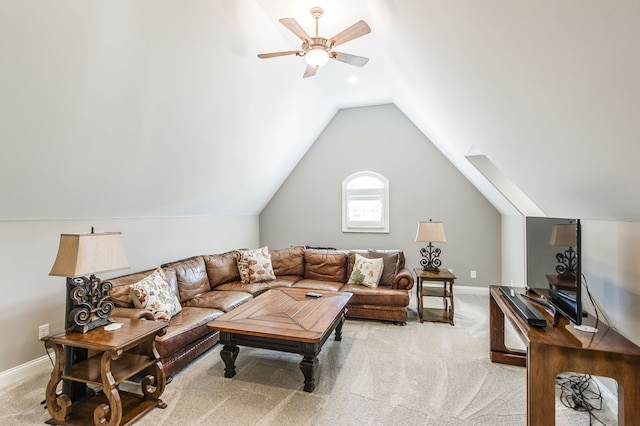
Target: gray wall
[
  {"x": 612, "y": 272},
  {"x": 423, "y": 185}
]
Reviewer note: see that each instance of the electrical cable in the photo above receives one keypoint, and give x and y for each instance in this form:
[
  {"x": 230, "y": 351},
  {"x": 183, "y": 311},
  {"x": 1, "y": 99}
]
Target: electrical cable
[{"x": 580, "y": 393}]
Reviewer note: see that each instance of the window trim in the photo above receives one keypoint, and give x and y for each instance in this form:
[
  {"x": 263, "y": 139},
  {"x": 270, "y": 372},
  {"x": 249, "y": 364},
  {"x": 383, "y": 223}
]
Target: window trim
[{"x": 352, "y": 226}]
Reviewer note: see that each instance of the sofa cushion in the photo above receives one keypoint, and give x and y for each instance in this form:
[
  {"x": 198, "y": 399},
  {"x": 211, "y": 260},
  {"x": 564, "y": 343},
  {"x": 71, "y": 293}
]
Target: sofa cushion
[
  {"x": 184, "y": 328},
  {"x": 221, "y": 268},
  {"x": 325, "y": 265},
  {"x": 288, "y": 261},
  {"x": 380, "y": 296},
  {"x": 390, "y": 269},
  {"x": 217, "y": 299},
  {"x": 366, "y": 271},
  {"x": 319, "y": 285},
  {"x": 154, "y": 294},
  {"x": 257, "y": 288},
  {"x": 255, "y": 265},
  {"x": 191, "y": 276}
]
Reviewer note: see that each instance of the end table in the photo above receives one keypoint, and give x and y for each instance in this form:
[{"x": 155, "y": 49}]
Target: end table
[
  {"x": 426, "y": 288},
  {"x": 114, "y": 362}
]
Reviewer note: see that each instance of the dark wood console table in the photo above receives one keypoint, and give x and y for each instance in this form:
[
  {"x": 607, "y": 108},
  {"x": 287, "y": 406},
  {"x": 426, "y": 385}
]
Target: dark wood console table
[{"x": 553, "y": 350}]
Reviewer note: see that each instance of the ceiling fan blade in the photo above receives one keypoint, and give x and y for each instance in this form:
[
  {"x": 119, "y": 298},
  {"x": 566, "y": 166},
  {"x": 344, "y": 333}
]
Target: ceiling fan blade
[
  {"x": 358, "y": 61},
  {"x": 358, "y": 29},
  {"x": 295, "y": 28},
  {"x": 276, "y": 54},
  {"x": 310, "y": 71}
]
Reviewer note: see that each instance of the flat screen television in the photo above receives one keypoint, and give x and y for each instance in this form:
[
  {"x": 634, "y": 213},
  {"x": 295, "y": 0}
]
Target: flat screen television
[{"x": 553, "y": 252}]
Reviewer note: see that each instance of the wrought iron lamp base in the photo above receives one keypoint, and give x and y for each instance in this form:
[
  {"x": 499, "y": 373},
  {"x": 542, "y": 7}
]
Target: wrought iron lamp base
[
  {"x": 430, "y": 258},
  {"x": 88, "y": 306}
]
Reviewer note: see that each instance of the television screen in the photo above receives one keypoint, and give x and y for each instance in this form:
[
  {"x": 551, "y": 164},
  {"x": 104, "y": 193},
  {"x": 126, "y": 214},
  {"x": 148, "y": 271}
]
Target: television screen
[{"x": 553, "y": 263}]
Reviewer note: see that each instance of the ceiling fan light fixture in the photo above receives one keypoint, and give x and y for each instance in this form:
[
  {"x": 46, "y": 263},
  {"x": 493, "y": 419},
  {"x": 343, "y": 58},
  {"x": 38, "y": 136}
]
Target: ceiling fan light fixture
[{"x": 317, "y": 57}]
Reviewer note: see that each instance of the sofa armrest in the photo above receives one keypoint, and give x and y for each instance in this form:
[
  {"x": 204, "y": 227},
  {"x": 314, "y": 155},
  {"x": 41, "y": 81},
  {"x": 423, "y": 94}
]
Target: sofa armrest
[
  {"x": 403, "y": 280},
  {"x": 133, "y": 313}
]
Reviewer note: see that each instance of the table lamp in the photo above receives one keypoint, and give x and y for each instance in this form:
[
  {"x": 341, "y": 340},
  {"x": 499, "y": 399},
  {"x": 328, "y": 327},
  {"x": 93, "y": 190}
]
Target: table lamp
[
  {"x": 430, "y": 232},
  {"x": 79, "y": 255},
  {"x": 565, "y": 236}
]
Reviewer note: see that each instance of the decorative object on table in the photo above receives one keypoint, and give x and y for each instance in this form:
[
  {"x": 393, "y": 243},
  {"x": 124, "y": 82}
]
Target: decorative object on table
[
  {"x": 565, "y": 236},
  {"x": 318, "y": 50},
  {"x": 80, "y": 255},
  {"x": 430, "y": 232}
]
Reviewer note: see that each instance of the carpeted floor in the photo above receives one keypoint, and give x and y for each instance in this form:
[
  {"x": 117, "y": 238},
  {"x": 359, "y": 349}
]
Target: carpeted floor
[{"x": 379, "y": 374}]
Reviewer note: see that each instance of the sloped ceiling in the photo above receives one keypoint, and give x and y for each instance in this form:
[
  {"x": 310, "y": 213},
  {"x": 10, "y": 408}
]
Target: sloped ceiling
[{"x": 161, "y": 108}]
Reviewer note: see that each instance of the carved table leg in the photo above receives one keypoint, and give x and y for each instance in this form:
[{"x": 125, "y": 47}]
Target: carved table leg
[
  {"x": 153, "y": 385},
  {"x": 112, "y": 411},
  {"x": 59, "y": 406},
  {"x": 229, "y": 353},
  {"x": 309, "y": 366}
]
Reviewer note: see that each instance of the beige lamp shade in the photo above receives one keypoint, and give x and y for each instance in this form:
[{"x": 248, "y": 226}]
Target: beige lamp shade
[
  {"x": 89, "y": 254},
  {"x": 430, "y": 232},
  {"x": 564, "y": 235}
]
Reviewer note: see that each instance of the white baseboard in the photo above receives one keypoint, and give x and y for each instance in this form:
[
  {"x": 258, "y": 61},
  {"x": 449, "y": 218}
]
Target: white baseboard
[
  {"x": 26, "y": 370},
  {"x": 609, "y": 395},
  {"x": 467, "y": 289}
]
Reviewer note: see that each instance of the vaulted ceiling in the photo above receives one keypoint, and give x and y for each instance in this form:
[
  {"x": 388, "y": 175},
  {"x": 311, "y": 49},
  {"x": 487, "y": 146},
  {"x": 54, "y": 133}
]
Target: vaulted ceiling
[{"x": 158, "y": 107}]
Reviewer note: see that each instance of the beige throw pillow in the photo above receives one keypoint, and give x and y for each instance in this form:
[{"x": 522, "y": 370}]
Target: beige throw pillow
[
  {"x": 154, "y": 294},
  {"x": 366, "y": 271},
  {"x": 255, "y": 265}
]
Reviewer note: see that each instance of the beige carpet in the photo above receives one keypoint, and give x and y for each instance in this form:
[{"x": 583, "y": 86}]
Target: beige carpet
[{"x": 380, "y": 374}]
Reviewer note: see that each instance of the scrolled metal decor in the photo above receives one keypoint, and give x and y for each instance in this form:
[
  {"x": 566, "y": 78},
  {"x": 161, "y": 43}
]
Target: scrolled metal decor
[
  {"x": 430, "y": 261},
  {"x": 90, "y": 305}
]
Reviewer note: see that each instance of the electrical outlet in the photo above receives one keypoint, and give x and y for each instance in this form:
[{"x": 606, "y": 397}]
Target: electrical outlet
[
  {"x": 473, "y": 274},
  {"x": 43, "y": 331}
]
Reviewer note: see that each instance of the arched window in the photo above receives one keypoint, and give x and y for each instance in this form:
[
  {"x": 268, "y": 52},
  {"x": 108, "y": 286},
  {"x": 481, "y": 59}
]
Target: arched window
[{"x": 365, "y": 203}]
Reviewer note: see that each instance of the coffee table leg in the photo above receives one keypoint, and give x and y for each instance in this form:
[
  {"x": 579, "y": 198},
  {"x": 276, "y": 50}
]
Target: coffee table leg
[
  {"x": 309, "y": 365},
  {"x": 339, "y": 329},
  {"x": 229, "y": 353}
]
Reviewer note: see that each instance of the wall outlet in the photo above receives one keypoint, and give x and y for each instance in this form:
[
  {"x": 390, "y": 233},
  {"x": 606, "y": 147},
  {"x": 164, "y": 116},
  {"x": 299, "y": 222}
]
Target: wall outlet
[
  {"x": 473, "y": 274},
  {"x": 43, "y": 331}
]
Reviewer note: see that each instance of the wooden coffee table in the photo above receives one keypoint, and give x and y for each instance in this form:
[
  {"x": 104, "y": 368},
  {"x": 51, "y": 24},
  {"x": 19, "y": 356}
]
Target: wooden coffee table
[{"x": 285, "y": 320}]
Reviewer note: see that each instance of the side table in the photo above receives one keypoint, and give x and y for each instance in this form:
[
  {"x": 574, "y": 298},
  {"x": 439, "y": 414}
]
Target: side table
[
  {"x": 426, "y": 288},
  {"x": 113, "y": 363}
]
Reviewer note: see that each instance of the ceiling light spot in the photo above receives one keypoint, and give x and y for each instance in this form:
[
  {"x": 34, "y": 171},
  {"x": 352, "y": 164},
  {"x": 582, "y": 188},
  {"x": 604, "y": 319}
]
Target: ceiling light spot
[{"x": 352, "y": 79}]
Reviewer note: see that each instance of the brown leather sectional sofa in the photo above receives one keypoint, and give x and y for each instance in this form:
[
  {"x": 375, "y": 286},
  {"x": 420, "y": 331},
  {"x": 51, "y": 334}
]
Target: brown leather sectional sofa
[{"x": 209, "y": 285}]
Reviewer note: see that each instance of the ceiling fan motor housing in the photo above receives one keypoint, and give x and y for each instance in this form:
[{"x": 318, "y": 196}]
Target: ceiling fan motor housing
[{"x": 316, "y": 43}]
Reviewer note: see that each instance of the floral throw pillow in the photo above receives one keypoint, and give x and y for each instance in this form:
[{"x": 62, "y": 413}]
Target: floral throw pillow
[
  {"x": 255, "y": 265},
  {"x": 154, "y": 294},
  {"x": 366, "y": 271}
]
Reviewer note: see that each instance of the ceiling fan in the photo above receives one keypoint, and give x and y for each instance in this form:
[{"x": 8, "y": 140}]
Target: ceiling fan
[{"x": 318, "y": 50}]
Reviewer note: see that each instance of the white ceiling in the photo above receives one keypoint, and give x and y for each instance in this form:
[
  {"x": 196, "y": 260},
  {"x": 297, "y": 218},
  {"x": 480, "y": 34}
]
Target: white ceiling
[{"x": 157, "y": 107}]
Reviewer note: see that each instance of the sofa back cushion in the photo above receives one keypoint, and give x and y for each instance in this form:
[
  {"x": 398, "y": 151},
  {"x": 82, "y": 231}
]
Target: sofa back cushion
[
  {"x": 325, "y": 265},
  {"x": 390, "y": 260},
  {"x": 191, "y": 276},
  {"x": 221, "y": 268},
  {"x": 288, "y": 261}
]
